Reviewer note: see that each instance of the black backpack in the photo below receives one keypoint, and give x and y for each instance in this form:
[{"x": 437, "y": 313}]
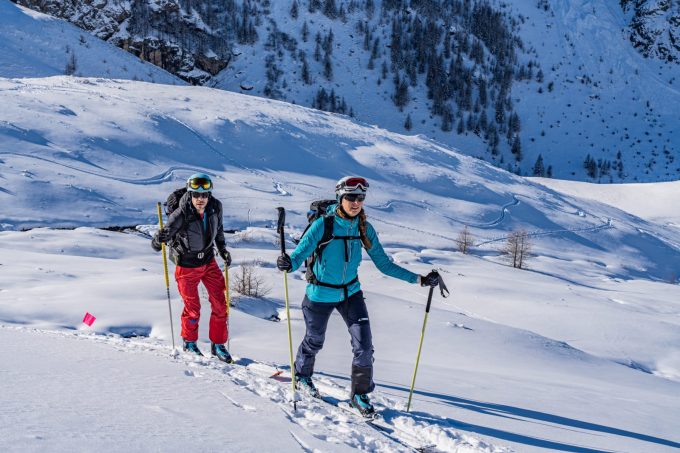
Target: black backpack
[{"x": 172, "y": 202}]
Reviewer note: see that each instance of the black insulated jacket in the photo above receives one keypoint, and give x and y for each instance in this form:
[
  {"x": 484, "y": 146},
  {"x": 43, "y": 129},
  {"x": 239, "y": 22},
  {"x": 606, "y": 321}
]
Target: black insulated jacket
[{"x": 191, "y": 245}]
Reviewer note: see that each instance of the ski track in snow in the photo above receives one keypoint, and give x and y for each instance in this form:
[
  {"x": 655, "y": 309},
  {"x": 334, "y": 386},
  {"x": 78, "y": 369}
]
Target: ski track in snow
[
  {"x": 494, "y": 223},
  {"x": 157, "y": 179},
  {"x": 320, "y": 420}
]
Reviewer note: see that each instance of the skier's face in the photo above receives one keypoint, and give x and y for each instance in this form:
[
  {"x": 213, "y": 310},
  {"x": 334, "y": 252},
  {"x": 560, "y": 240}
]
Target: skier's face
[
  {"x": 352, "y": 204},
  {"x": 200, "y": 200}
]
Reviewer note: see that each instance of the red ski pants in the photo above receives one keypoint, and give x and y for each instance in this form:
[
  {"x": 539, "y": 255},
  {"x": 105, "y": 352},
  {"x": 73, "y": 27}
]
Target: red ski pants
[{"x": 188, "y": 279}]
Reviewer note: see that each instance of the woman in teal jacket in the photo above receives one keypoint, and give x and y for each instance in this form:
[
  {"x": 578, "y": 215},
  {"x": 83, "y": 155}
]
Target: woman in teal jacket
[{"x": 334, "y": 285}]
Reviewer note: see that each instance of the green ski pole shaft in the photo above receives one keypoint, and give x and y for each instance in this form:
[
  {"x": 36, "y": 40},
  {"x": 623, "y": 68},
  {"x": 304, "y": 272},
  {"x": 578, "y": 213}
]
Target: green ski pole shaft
[
  {"x": 281, "y": 222},
  {"x": 420, "y": 347},
  {"x": 167, "y": 279}
]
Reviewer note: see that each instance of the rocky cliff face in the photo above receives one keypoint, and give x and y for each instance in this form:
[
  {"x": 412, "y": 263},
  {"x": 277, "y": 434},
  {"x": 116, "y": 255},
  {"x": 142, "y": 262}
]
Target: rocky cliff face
[
  {"x": 159, "y": 31},
  {"x": 655, "y": 27}
]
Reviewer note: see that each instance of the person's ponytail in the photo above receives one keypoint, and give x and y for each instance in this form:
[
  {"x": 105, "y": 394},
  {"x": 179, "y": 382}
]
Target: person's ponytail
[{"x": 362, "y": 230}]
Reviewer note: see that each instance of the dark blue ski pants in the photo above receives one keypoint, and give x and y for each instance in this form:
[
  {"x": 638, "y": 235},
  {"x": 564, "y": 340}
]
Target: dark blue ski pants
[{"x": 355, "y": 315}]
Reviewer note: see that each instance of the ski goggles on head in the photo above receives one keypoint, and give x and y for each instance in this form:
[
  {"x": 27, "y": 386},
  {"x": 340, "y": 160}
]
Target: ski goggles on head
[
  {"x": 355, "y": 183},
  {"x": 200, "y": 183}
]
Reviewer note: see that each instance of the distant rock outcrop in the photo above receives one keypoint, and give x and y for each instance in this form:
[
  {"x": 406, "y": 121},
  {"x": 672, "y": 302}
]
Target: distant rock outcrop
[
  {"x": 161, "y": 32},
  {"x": 655, "y": 28}
]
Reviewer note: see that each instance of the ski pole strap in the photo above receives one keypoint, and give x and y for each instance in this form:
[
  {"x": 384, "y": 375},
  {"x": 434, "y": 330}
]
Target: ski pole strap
[{"x": 443, "y": 289}]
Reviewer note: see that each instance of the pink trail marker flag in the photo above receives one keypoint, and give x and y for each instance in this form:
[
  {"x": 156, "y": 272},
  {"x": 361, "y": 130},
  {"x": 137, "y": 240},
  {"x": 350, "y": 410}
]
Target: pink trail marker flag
[{"x": 89, "y": 319}]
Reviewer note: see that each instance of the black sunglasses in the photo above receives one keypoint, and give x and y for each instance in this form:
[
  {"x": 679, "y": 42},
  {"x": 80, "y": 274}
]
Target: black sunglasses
[
  {"x": 355, "y": 197},
  {"x": 200, "y": 194}
]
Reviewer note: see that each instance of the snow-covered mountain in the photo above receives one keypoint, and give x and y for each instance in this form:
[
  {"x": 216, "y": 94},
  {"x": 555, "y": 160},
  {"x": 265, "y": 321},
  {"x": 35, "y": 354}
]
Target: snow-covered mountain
[
  {"x": 36, "y": 45},
  {"x": 543, "y": 88},
  {"x": 576, "y": 353}
]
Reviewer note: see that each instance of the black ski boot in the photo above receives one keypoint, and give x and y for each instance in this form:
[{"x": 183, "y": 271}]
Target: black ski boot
[
  {"x": 305, "y": 383},
  {"x": 363, "y": 404},
  {"x": 190, "y": 346},
  {"x": 221, "y": 353}
]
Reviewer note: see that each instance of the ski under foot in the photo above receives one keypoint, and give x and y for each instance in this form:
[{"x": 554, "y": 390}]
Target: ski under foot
[
  {"x": 376, "y": 421},
  {"x": 405, "y": 439}
]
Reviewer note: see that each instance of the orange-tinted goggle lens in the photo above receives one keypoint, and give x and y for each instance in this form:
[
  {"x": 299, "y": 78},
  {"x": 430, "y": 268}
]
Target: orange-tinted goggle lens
[{"x": 200, "y": 183}]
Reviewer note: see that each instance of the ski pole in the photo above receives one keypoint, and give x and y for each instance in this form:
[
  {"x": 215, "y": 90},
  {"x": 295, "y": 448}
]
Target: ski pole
[
  {"x": 226, "y": 295},
  {"x": 279, "y": 230},
  {"x": 167, "y": 280},
  {"x": 443, "y": 289}
]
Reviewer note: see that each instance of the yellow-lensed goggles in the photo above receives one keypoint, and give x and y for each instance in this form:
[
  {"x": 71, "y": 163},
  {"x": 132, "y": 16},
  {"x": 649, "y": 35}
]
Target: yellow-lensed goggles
[{"x": 200, "y": 183}]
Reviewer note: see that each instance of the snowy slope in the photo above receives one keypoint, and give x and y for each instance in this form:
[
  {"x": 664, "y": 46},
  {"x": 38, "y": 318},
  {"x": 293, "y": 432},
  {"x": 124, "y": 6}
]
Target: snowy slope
[
  {"x": 547, "y": 364},
  {"x": 599, "y": 96},
  {"x": 36, "y": 45},
  {"x": 578, "y": 353},
  {"x": 76, "y": 147},
  {"x": 593, "y": 319},
  {"x": 649, "y": 201}
]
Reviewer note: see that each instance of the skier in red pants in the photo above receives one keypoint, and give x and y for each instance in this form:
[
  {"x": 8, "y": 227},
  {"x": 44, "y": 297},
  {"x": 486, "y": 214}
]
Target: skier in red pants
[{"x": 193, "y": 231}]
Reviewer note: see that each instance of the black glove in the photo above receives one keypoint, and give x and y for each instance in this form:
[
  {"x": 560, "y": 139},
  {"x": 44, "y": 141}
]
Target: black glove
[
  {"x": 431, "y": 279},
  {"x": 155, "y": 244},
  {"x": 284, "y": 263},
  {"x": 226, "y": 256},
  {"x": 163, "y": 235}
]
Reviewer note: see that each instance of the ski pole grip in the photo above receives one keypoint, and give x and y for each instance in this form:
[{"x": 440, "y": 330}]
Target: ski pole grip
[{"x": 279, "y": 228}]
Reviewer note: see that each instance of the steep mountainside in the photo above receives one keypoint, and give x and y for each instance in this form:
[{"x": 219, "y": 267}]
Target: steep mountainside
[
  {"x": 655, "y": 28},
  {"x": 37, "y": 45},
  {"x": 548, "y": 88}
]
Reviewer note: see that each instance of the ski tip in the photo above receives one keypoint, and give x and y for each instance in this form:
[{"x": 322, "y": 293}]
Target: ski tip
[{"x": 277, "y": 373}]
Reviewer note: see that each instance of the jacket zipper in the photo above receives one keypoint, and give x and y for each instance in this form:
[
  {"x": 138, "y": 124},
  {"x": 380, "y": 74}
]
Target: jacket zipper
[{"x": 349, "y": 253}]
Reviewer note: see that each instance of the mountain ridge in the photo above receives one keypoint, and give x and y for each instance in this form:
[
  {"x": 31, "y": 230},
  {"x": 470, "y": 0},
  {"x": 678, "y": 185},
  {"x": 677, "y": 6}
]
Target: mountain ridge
[{"x": 570, "y": 109}]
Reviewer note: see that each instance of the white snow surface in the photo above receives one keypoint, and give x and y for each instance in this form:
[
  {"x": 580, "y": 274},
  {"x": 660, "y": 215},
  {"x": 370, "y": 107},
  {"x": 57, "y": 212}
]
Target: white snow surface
[{"x": 576, "y": 353}]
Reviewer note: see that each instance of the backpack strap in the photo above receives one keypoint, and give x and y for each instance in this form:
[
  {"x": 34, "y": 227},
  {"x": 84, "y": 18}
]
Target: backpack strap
[{"x": 328, "y": 236}]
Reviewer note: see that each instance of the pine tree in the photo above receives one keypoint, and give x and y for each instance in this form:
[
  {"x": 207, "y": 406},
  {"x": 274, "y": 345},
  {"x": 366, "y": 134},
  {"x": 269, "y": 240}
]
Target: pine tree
[
  {"x": 461, "y": 127},
  {"x": 306, "y": 76},
  {"x": 447, "y": 118},
  {"x": 539, "y": 169},
  {"x": 590, "y": 165},
  {"x": 408, "y": 124},
  {"x": 401, "y": 97},
  {"x": 327, "y": 67},
  {"x": 305, "y": 32},
  {"x": 294, "y": 10},
  {"x": 330, "y": 9},
  {"x": 317, "y": 51},
  {"x": 517, "y": 148}
]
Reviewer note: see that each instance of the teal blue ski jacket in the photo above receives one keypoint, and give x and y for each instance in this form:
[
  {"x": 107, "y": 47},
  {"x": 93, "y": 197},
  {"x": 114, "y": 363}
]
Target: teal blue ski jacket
[{"x": 332, "y": 268}]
